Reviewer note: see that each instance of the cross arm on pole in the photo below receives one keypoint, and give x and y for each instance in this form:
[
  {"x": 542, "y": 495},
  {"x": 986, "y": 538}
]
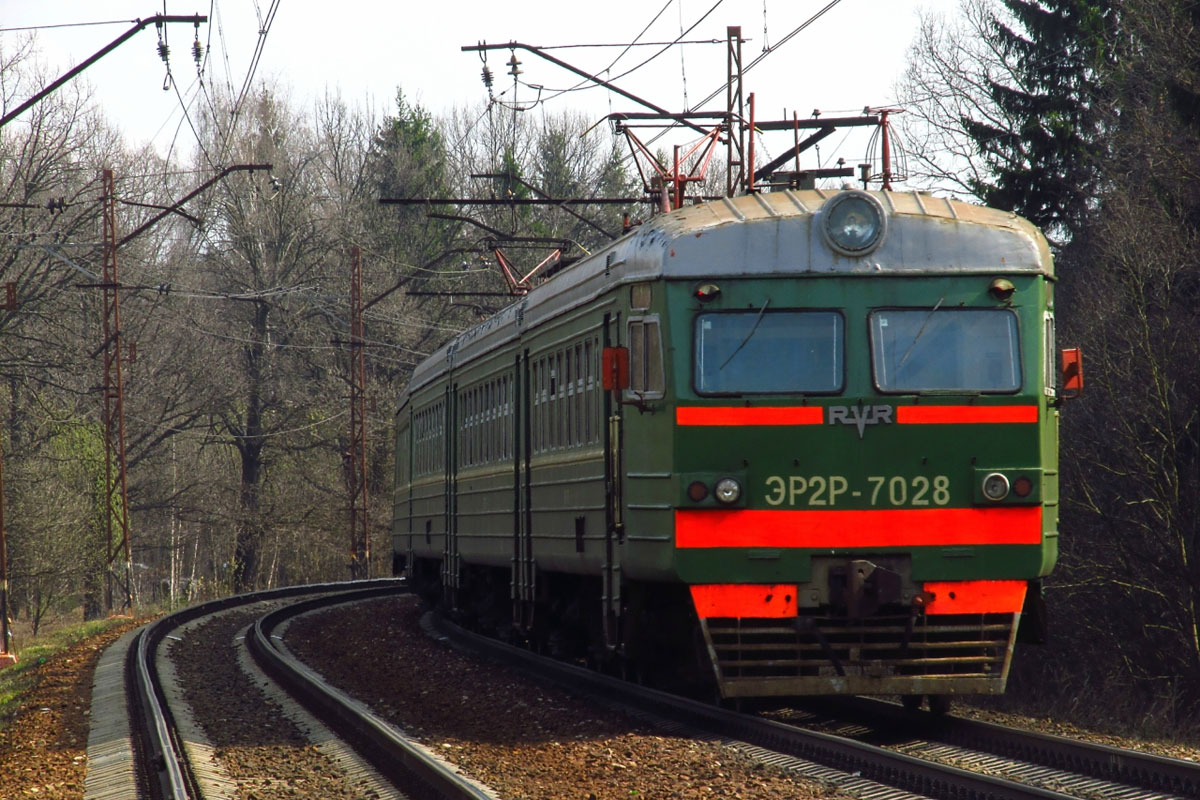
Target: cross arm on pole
[
  {"x": 157, "y": 19},
  {"x": 174, "y": 207},
  {"x": 593, "y": 78}
]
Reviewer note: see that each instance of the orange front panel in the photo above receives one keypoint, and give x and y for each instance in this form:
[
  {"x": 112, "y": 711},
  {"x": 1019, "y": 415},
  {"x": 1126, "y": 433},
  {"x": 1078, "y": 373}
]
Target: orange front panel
[
  {"x": 964, "y": 415},
  {"x": 902, "y": 527},
  {"x": 975, "y": 597},
  {"x": 743, "y": 415},
  {"x": 744, "y": 600}
]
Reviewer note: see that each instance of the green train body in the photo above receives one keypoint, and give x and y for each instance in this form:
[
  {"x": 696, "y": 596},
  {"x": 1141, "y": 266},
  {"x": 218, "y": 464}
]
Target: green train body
[{"x": 831, "y": 465}]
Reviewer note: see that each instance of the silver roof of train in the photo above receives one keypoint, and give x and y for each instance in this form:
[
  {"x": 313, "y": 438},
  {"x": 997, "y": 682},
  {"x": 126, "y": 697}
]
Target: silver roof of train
[
  {"x": 769, "y": 235},
  {"x": 776, "y": 233}
]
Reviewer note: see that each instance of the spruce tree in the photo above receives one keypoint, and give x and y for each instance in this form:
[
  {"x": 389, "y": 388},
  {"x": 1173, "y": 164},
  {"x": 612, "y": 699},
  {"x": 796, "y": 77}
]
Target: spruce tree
[{"x": 1047, "y": 166}]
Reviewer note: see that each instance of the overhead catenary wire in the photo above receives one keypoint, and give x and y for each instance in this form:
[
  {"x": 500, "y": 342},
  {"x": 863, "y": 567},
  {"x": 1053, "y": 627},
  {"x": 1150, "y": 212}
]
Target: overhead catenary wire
[
  {"x": 674, "y": 42},
  {"x": 259, "y": 46},
  {"x": 626, "y": 45},
  {"x": 766, "y": 52},
  {"x": 626, "y": 49},
  {"x": 183, "y": 105},
  {"x": 682, "y": 61},
  {"x": 210, "y": 435},
  {"x": 769, "y": 50},
  {"x": 264, "y": 28},
  {"x": 587, "y": 84},
  {"x": 17, "y": 29}
]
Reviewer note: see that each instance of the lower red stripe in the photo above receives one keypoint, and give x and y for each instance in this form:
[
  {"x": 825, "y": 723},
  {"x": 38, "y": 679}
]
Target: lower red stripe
[
  {"x": 975, "y": 597},
  {"x": 744, "y": 600},
  {"x": 901, "y": 527}
]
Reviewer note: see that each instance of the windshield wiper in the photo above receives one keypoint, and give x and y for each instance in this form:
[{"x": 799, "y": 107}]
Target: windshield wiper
[
  {"x": 753, "y": 328},
  {"x": 920, "y": 331}
]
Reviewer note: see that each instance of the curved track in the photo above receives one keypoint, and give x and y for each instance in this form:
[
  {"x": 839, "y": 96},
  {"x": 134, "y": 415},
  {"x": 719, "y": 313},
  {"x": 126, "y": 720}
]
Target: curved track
[
  {"x": 165, "y": 770},
  {"x": 408, "y": 766},
  {"x": 1071, "y": 769},
  {"x": 1095, "y": 769}
]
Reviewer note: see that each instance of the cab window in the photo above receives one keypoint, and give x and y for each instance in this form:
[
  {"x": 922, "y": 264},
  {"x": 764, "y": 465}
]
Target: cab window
[
  {"x": 945, "y": 350},
  {"x": 769, "y": 352}
]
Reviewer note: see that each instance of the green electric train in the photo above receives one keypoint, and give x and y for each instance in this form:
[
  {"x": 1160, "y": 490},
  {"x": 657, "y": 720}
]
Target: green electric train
[{"x": 793, "y": 443}]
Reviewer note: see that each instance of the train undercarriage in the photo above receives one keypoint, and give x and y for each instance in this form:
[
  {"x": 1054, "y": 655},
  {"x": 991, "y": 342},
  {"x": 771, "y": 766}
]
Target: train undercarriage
[{"x": 661, "y": 641}]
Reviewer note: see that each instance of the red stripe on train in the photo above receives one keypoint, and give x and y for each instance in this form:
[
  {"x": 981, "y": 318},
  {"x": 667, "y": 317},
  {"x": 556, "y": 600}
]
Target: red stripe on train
[
  {"x": 900, "y": 527},
  {"x": 815, "y": 415},
  {"x": 778, "y": 601},
  {"x": 744, "y": 415},
  {"x": 964, "y": 415},
  {"x": 771, "y": 601},
  {"x": 975, "y": 597}
]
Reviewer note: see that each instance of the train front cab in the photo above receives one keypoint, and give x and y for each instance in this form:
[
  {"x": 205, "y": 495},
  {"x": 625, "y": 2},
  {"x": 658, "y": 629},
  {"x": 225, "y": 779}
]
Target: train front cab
[{"x": 867, "y": 477}]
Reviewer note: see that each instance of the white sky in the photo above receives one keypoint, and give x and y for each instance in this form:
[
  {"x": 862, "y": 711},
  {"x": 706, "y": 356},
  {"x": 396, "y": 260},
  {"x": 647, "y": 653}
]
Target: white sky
[{"x": 850, "y": 57}]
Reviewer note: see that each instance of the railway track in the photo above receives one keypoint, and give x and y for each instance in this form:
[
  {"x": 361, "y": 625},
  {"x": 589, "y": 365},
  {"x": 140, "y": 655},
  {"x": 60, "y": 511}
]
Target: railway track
[
  {"x": 410, "y": 767},
  {"x": 1078, "y": 767},
  {"x": 869, "y": 749},
  {"x": 925, "y": 755},
  {"x": 163, "y": 768}
]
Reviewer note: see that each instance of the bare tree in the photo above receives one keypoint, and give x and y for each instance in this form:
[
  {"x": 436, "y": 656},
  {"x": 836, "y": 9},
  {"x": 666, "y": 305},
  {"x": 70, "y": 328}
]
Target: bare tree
[
  {"x": 951, "y": 66},
  {"x": 50, "y": 163}
]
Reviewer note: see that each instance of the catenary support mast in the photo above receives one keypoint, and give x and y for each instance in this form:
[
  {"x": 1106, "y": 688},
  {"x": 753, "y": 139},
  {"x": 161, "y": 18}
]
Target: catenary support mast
[
  {"x": 116, "y": 506},
  {"x": 356, "y": 478}
]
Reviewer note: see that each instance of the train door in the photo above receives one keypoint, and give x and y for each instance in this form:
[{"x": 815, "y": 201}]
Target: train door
[
  {"x": 614, "y": 511},
  {"x": 523, "y": 571},
  {"x": 450, "y": 559}
]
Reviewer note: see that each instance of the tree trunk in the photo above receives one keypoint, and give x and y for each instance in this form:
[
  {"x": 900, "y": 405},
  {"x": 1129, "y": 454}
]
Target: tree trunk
[{"x": 247, "y": 551}]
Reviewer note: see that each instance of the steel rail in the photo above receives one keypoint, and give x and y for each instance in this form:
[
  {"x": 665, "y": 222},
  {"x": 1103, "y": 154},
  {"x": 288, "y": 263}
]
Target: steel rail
[
  {"x": 158, "y": 727},
  {"x": 409, "y": 767},
  {"x": 875, "y": 763},
  {"x": 164, "y": 766},
  {"x": 1131, "y": 767}
]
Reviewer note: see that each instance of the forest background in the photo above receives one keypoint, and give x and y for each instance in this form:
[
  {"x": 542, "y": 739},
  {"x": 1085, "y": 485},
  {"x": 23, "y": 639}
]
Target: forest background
[{"x": 1081, "y": 115}]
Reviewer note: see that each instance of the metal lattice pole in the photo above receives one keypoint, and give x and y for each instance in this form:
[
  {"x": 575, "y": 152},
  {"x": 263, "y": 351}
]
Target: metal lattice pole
[
  {"x": 116, "y": 490},
  {"x": 6, "y": 656},
  {"x": 735, "y": 165},
  {"x": 360, "y": 540}
]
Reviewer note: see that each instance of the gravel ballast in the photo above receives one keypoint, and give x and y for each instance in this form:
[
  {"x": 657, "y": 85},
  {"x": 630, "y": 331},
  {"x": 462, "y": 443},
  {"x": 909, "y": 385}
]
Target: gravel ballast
[
  {"x": 525, "y": 741},
  {"x": 520, "y": 738}
]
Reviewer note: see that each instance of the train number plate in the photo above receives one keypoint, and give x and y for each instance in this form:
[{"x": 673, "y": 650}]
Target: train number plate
[{"x": 877, "y": 490}]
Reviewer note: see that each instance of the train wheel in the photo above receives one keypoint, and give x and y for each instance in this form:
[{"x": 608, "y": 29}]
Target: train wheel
[
  {"x": 940, "y": 703},
  {"x": 911, "y": 702}
]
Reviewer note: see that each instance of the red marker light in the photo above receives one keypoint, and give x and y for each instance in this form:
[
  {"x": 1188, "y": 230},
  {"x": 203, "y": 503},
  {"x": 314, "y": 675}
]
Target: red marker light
[
  {"x": 697, "y": 491},
  {"x": 1022, "y": 487}
]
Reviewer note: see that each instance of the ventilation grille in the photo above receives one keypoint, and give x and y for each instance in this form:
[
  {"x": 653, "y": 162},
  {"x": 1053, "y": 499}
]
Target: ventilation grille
[{"x": 808, "y": 653}]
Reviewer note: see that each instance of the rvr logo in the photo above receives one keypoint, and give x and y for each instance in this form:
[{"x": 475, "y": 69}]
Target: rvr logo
[{"x": 859, "y": 416}]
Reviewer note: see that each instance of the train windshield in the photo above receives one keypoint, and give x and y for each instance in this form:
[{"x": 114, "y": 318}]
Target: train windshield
[
  {"x": 769, "y": 352},
  {"x": 956, "y": 349}
]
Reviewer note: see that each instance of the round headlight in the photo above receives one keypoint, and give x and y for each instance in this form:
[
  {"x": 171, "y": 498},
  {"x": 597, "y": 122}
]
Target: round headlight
[
  {"x": 995, "y": 486},
  {"x": 853, "y": 223},
  {"x": 727, "y": 491}
]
